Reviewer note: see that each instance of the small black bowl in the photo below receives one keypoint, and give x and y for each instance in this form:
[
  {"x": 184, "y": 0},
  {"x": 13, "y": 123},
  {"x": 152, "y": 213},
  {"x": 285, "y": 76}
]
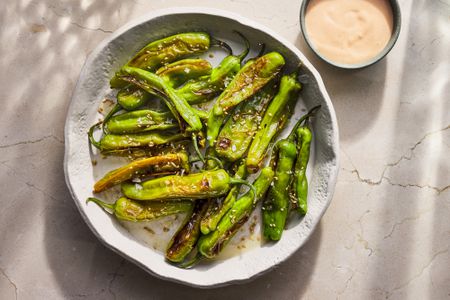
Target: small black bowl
[{"x": 397, "y": 20}]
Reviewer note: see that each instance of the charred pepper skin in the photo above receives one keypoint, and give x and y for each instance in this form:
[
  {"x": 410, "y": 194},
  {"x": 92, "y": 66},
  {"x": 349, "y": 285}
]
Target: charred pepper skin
[
  {"x": 152, "y": 83},
  {"x": 207, "y": 87},
  {"x": 112, "y": 142},
  {"x": 187, "y": 235},
  {"x": 249, "y": 80},
  {"x": 304, "y": 137},
  {"x": 237, "y": 133},
  {"x": 164, "y": 51},
  {"x": 135, "y": 211},
  {"x": 275, "y": 207},
  {"x": 170, "y": 161},
  {"x": 207, "y": 184},
  {"x": 140, "y": 121},
  {"x": 218, "y": 207},
  {"x": 273, "y": 121},
  {"x": 132, "y": 97},
  {"x": 211, "y": 244},
  {"x": 179, "y": 72}
]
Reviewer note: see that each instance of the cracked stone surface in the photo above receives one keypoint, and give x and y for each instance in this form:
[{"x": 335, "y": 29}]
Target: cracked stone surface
[{"x": 386, "y": 234}]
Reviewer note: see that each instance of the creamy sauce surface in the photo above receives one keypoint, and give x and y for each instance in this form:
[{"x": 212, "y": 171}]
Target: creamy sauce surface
[{"x": 349, "y": 31}]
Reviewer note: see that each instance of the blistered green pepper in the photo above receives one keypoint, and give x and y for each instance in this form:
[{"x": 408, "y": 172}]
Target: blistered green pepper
[
  {"x": 175, "y": 74},
  {"x": 207, "y": 87},
  {"x": 150, "y": 139},
  {"x": 187, "y": 235},
  {"x": 140, "y": 121},
  {"x": 136, "y": 211},
  {"x": 152, "y": 83},
  {"x": 273, "y": 121},
  {"x": 207, "y": 184},
  {"x": 218, "y": 207},
  {"x": 164, "y": 51},
  {"x": 250, "y": 79},
  {"x": 275, "y": 207},
  {"x": 300, "y": 184},
  {"x": 210, "y": 245},
  {"x": 304, "y": 136},
  {"x": 170, "y": 161},
  {"x": 237, "y": 133}
]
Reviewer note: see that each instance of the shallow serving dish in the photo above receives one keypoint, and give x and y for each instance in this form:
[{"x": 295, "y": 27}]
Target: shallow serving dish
[{"x": 92, "y": 87}]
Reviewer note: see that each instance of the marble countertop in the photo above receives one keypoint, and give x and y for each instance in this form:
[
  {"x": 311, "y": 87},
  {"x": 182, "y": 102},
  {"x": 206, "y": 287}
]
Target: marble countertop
[{"x": 386, "y": 234}]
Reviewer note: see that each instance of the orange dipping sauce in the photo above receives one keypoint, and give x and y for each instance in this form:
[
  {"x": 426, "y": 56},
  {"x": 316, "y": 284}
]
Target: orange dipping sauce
[{"x": 349, "y": 31}]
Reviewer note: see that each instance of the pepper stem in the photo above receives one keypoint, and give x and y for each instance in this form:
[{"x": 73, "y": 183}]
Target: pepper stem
[
  {"x": 102, "y": 204},
  {"x": 247, "y": 46},
  {"x": 111, "y": 113},
  {"x": 242, "y": 181},
  {"x": 221, "y": 44},
  {"x": 304, "y": 118},
  {"x": 197, "y": 150},
  {"x": 218, "y": 161},
  {"x": 91, "y": 136}
]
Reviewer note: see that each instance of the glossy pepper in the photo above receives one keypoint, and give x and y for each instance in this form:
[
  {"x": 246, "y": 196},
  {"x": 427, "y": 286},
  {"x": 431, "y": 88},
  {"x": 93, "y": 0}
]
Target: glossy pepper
[
  {"x": 207, "y": 87},
  {"x": 210, "y": 245},
  {"x": 179, "y": 72},
  {"x": 136, "y": 211},
  {"x": 175, "y": 74},
  {"x": 152, "y": 83},
  {"x": 300, "y": 184},
  {"x": 218, "y": 207},
  {"x": 273, "y": 121},
  {"x": 250, "y": 79},
  {"x": 164, "y": 51},
  {"x": 170, "y": 161},
  {"x": 195, "y": 186},
  {"x": 187, "y": 235},
  {"x": 275, "y": 207},
  {"x": 150, "y": 139},
  {"x": 237, "y": 133},
  {"x": 140, "y": 121}
]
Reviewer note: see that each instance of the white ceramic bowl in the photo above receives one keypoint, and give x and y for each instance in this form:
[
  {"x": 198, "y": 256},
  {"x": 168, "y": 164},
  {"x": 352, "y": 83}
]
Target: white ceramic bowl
[{"x": 93, "y": 85}]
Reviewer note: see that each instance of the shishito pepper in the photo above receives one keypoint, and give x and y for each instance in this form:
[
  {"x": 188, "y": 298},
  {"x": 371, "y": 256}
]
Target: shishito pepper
[
  {"x": 250, "y": 79},
  {"x": 237, "y": 133},
  {"x": 300, "y": 185},
  {"x": 152, "y": 83},
  {"x": 210, "y": 245},
  {"x": 175, "y": 74},
  {"x": 187, "y": 235},
  {"x": 136, "y": 211},
  {"x": 207, "y": 87},
  {"x": 218, "y": 207},
  {"x": 207, "y": 184},
  {"x": 164, "y": 51},
  {"x": 140, "y": 121},
  {"x": 170, "y": 161},
  {"x": 112, "y": 142},
  {"x": 275, "y": 208},
  {"x": 179, "y": 72},
  {"x": 273, "y": 121},
  {"x": 304, "y": 137},
  {"x": 132, "y": 97}
]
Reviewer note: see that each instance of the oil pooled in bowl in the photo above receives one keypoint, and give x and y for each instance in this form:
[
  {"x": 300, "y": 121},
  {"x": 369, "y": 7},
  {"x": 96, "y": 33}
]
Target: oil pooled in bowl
[{"x": 349, "y": 31}]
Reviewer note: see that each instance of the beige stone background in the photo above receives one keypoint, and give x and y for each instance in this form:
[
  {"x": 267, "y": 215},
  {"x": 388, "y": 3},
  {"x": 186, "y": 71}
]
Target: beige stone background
[{"x": 386, "y": 234}]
